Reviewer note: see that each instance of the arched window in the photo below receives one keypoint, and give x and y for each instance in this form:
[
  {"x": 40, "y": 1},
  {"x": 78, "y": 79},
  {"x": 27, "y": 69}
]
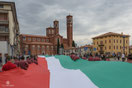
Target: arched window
[
  {"x": 47, "y": 40},
  {"x": 34, "y": 39},
  {"x": 38, "y": 47},
  {"x": 109, "y": 47},
  {"x": 24, "y": 38},
  {"x": 26, "y": 47},
  {"x": 42, "y": 40},
  {"x": 116, "y": 47},
  {"x": 117, "y": 41},
  {"x": 49, "y": 32},
  {"x": 51, "y": 47},
  {"x": 52, "y": 31},
  {"x": 33, "y": 47},
  {"x": 47, "y": 47},
  {"x": 109, "y": 41},
  {"x": 29, "y": 39},
  {"x": 38, "y": 39},
  {"x": 43, "y": 49}
]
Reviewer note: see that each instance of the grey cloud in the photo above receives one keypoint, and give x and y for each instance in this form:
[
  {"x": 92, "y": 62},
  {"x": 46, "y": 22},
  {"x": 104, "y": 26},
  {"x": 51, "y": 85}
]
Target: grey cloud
[{"x": 91, "y": 17}]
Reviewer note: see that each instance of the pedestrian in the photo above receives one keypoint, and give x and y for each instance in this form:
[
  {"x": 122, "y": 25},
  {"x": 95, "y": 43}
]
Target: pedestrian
[
  {"x": 16, "y": 62},
  {"x": 23, "y": 64},
  {"x": 35, "y": 60},
  {"x": 118, "y": 56},
  {"x": 102, "y": 56},
  {"x": 29, "y": 60},
  {"x": 123, "y": 57},
  {"x": 0, "y": 60}
]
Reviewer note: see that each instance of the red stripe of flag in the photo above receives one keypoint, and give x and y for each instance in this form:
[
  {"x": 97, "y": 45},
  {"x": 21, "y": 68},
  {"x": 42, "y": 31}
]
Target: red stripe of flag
[{"x": 37, "y": 76}]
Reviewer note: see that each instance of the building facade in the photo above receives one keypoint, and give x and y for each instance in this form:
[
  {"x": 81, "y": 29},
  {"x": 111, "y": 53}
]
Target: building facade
[
  {"x": 81, "y": 51},
  {"x": 86, "y": 50},
  {"x": 130, "y": 49},
  {"x": 70, "y": 51},
  {"x": 36, "y": 45},
  {"x": 9, "y": 30},
  {"x": 110, "y": 43}
]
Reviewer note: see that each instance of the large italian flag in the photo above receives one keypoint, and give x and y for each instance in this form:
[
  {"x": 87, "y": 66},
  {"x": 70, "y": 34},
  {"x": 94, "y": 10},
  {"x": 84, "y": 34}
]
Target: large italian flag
[{"x": 62, "y": 72}]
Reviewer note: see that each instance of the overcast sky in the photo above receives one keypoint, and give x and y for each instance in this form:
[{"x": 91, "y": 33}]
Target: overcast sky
[{"x": 90, "y": 17}]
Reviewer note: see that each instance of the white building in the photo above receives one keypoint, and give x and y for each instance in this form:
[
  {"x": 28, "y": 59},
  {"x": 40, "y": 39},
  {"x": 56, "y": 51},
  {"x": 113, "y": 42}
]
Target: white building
[
  {"x": 9, "y": 30},
  {"x": 70, "y": 51},
  {"x": 81, "y": 51},
  {"x": 86, "y": 49}
]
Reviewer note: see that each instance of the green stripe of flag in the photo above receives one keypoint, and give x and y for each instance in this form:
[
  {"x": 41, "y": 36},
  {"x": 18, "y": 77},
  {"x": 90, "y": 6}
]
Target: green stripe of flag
[{"x": 104, "y": 74}]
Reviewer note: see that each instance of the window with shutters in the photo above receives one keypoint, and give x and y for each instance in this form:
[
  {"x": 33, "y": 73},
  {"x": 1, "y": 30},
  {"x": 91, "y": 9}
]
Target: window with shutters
[
  {"x": 1, "y": 6},
  {"x": 109, "y": 41},
  {"x": 117, "y": 47},
  {"x": 24, "y": 38},
  {"x": 3, "y": 16},
  {"x": 33, "y": 47},
  {"x": 109, "y": 47},
  {"x": 47, "y": 47},
  {"x": 4, "y": 29},
  {"x": 26, "y": 47},
  {"x": 38, "y": 47}
]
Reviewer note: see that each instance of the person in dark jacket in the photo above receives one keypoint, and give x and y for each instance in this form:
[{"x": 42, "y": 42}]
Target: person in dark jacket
[
  {"x": 103, "y": 57},
  {"x": 35, "y": 60},
  {"x": 29, "y": 60},
  {"x": 23, "y": 64},
  {"x": 0, "y": 60},
  {"x": 118, "y": 56},
  {"x": 16, "y": 62}
]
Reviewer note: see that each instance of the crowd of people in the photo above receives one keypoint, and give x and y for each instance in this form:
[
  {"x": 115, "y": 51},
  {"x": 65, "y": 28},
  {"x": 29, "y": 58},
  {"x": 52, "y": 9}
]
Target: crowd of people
[
  {"x": 104, "y": 57},
  {"x": 118, "y": 57},
  {"x": 22, "y": 62}
]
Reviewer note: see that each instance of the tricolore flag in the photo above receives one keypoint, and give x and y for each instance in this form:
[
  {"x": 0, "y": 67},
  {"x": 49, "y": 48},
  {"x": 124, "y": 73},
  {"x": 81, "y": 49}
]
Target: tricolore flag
[{"x": 62, "y": 72}]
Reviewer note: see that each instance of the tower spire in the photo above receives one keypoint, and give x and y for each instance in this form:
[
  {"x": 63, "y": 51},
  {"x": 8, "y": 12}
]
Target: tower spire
[
  {"x": 56, "y": 26},
  {"x": 69, "y": 30}
]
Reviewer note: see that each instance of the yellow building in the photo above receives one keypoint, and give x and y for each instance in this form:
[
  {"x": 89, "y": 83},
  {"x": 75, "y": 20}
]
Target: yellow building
[
  {"x": 110, "y": 43},
  {"x": 130, "y": 49}
]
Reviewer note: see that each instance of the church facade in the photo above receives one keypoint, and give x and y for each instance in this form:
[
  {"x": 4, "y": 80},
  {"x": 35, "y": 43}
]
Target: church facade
[{"x": 36, "y": 44}]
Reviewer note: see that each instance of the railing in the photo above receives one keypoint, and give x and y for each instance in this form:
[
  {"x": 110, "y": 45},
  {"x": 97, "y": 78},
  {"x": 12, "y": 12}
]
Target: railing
[
  {"x": 101, "y": 51},
  {"x": 101, "y": 44},
  {"x": 4, "y": 22},
  {"x": 4, "y": 30}
]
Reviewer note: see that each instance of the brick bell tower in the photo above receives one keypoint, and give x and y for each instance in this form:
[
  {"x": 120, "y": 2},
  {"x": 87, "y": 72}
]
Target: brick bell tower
[
  {"x": 69, "y": 30},
  {"x": 56, "y": 27}
]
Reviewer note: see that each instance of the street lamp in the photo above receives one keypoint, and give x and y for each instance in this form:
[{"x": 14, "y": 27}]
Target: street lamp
[
  {"x": 12, "y": 49},
  {"x": 124, "y": 44}
]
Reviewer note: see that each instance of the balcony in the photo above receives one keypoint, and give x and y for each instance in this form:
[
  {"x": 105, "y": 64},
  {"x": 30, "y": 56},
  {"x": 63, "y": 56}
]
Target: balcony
[
  {"x": 4, "y": 22},
  {"x": 4, "y": 31},
  {"x": 101, "y": 44},
  {"x": 101, "y": 52}
]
